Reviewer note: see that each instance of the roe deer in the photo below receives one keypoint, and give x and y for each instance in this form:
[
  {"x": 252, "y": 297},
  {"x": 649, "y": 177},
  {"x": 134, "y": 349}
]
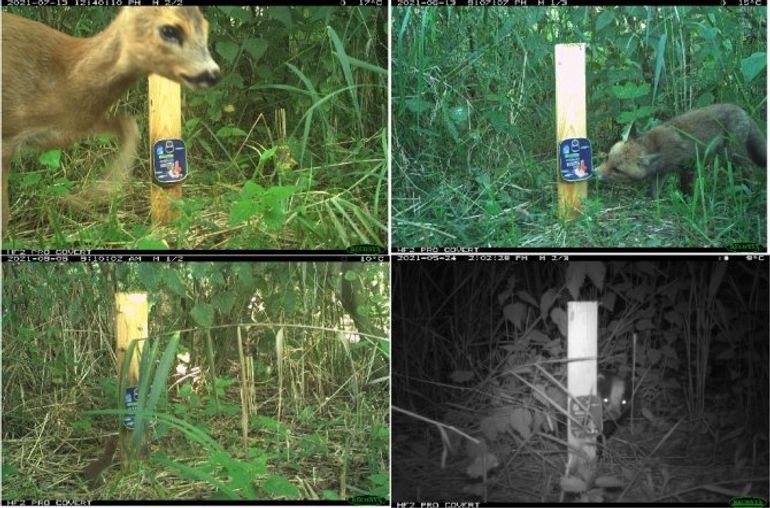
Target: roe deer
[{"x": 57, "y": 89}]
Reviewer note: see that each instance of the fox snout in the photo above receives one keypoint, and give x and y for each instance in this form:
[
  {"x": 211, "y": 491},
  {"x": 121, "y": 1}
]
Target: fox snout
[{"x": 601, "y": 173}]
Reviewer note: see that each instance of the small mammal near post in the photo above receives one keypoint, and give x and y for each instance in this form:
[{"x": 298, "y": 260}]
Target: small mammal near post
[
  {"x": 674, "y": 146},
  {"x": 57, "y": 89},
  {"x": 93, "y": 473}
]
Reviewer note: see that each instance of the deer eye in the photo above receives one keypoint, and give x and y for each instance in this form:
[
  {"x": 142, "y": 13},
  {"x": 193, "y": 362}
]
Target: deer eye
[{"x": 171, "y": 33}]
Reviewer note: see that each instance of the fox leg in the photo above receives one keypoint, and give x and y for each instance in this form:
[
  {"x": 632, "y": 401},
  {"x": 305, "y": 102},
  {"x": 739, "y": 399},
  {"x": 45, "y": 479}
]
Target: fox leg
[
  {"x": 686, "y": 181},
  {"x": 655, "y": 185}
]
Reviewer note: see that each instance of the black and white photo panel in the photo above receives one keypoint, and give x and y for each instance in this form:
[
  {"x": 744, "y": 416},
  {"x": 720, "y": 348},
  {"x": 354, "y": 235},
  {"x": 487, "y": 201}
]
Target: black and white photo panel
[{"x": 557, "y": 379}]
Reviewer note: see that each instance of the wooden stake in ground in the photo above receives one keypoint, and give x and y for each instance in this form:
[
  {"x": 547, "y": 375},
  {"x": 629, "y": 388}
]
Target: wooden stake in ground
[
  {"x": 570, "y": 118},
  {"x": 130, "y": 323},
  {"x": 582, "y": 332},
  {"x": 165, "y": 100}
]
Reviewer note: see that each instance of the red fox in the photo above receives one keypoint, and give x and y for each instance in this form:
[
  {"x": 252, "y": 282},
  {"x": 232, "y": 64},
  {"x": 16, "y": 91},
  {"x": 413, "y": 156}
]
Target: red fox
[
  {"x": 57, "y": 89},
  {"x": 674, "y": 146}
]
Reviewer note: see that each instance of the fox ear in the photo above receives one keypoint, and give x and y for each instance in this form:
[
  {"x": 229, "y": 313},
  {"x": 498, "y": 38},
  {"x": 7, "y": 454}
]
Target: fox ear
[{"x": 630, "y": 132}]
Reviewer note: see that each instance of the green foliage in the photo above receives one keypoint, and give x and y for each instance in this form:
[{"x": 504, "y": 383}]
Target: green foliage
[
  {"x": 297, "y": 120},
  {"x": 279, "y": 487},
  {"x": 254, "y": 200},
  {"x": 473, "y": 161},
  {"x": 50, "y": 159},
  {"x": 236, "y": 478},
  {"x": 10, "y": 478},
  {"x": 753, "y": 66},
  {"x": 198, "y": 408},
  {"x": 330, "y": 389},
  {"x": 153, "y": 380}
]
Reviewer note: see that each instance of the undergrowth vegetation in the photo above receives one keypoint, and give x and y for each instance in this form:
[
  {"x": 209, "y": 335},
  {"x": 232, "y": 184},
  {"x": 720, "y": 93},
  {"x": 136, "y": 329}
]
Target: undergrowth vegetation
[
  {"x": 254, "y": 382},
  {"x": 481, "y": 352},
  {"x": 474, "y": 155},
  {"x": 289, "y": 151}
]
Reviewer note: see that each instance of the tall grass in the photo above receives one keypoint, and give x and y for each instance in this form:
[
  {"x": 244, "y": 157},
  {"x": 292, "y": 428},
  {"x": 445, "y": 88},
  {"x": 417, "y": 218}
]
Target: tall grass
[{"x": 474, "y": 135}]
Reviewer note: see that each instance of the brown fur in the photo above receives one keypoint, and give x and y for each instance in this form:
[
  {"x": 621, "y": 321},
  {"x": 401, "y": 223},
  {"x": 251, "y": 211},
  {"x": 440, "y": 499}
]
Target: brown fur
[
  {"x": 93, "y": 473},
  {"x": 57, "y": 89},
  {"x": 675, "y": 146}
]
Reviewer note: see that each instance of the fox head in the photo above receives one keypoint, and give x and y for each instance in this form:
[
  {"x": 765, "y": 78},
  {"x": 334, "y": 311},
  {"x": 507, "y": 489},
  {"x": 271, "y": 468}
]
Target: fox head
[
  {"x": 171, "y": 42},
  {"x": 627, "y": 160}
]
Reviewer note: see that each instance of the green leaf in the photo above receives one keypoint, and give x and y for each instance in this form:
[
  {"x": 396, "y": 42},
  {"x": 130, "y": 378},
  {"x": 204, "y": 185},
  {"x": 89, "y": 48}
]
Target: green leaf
[
  {"x": 274, "y": 217},
  {"x": 236, "y": 12},
  {"x": 342, "y": 57},
  {"x": 224, "y": 301},
  {"x": 215, "y": 277},
  {"x": 50, "y": 159},
  {"x": 379, "y": 478},
  {"x": 631, "y": 116},
  {"x": 274, "y": 204},
  {"x": 229, "y": 132},
  {"x": 242, "y": 211},
  {"x": 159, "y": 383},
  {"x": 279, "y": 193},
  {"x": 280, "y": 14},
  {"x": 203, "y": 313},
  {"x": 255, "y": 47},
  {"x": 31, "y": 179},
  {"x": 330, "y": 495},
  {"x": 450, "y": 126},
  {"x": 270, "y": 424},
  {"x": 630, "y": 90},
  {"x": 753, "y": 66},
  {"x": 228, "y": 50},
  {"x": 197, "y": 473},
  {"x": 384, "y": 347},
  {"x": 604, "y": 19},
  {"x": 174, "y": 283},
  {"x": 251, "y": 189},
  {"x": 355, "y": 62},
  {"x": 660, "y": 61},
  {"x": 9, "y": 469},
  {"x": 280, "y": 486},
  {"x": 151, "y": 244},
  {"x": 499, "y": 121},
  {"x": 249, "y": 203},
  {"x": 244, "y": 276}
]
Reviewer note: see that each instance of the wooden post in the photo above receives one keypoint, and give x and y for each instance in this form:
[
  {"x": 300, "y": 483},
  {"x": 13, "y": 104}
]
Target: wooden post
[
  {"x": 130, "y": 323},
  {"x": 570, "y": 118},
  {"x": 582, "y": 332},
  {"x": 165, "y": 100}
]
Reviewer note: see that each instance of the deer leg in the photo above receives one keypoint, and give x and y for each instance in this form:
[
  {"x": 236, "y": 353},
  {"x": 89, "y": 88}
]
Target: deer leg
[
  {"x": 119, "y": 171},
  {"x": 128, "y": 135},
  {"x": 8, "y": 149}
]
